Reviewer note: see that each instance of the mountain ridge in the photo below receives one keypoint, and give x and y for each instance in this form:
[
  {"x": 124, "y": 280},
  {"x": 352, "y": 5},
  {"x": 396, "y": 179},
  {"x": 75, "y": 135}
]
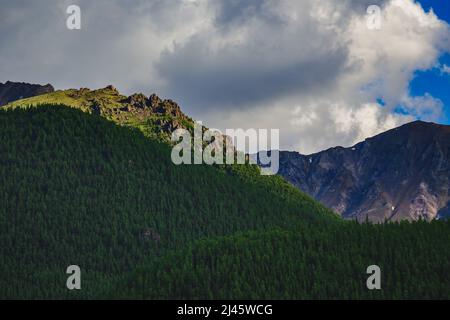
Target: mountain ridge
[
  {"x": 347, "y": 180},
  {"x": 402, "y": 173},
  {"x": 154, "y": 116},
  {"x": 79, "y": 189}
]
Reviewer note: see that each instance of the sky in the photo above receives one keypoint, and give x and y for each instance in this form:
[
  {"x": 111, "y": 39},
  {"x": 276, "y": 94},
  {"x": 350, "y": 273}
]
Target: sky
[
  {"x": 314, "y": 69},
  {"x": 436, "y": 81}
]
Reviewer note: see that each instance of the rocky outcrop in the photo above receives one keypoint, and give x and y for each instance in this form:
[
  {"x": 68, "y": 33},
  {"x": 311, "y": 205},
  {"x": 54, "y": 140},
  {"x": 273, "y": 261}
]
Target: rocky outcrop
[
  {"x": 154, "y": 116},
  {"x": 138, "y": 100},
  {"x": 401, "y": 174},
  {"x": 12, "y": 91}
]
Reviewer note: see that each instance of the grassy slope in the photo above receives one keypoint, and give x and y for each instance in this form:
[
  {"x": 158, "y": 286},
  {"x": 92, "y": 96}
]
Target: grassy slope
[
  {"x": 110, "y": 101},
  {"x": 72, "y": 98}
]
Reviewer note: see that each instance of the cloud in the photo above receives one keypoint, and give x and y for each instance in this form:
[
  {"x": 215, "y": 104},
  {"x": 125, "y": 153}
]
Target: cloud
[
  {"x": 445, "y": 69},
  {"x": 334, "y": 104},
  {"x": 118, "y": 43},
  {"x": 311, "y": 68},
  {"x": 424, "y": 107},
  {"x": 254, "y": 52}
]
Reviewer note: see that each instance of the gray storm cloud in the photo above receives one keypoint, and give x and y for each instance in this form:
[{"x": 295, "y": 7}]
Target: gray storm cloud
[{"x": 311, "y": 68}]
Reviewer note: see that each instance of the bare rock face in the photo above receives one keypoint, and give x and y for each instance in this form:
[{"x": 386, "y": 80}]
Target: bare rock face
[
  {"x": 12, "y": 91},
  {"x": 154, "y": 100},
  {"x": 401, "y": 174},
  {"x": 138, "y": 100}
]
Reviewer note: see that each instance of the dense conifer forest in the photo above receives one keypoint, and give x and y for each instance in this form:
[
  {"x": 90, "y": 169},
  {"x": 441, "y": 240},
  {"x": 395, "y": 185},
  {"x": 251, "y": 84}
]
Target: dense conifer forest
[{"x": 77, "y": 189}]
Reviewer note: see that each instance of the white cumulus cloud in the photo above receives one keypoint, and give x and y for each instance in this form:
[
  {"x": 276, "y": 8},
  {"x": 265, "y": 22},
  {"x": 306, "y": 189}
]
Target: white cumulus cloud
[{"x": 311, "y": 68}]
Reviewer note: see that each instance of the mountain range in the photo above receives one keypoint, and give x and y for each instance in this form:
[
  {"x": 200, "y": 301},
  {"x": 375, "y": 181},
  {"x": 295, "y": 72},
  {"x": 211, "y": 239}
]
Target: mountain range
[
  {"x": 400, "y": 174},
  {"x": 403, "y": 173},
  {"x": 86, "y": 179}
]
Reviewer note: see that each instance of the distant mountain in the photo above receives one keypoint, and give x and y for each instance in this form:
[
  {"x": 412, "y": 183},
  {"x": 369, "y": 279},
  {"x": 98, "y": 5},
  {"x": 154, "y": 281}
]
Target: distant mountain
[
  {"x": 12, "y": 91},
  {"x": 401, "y": 174}
]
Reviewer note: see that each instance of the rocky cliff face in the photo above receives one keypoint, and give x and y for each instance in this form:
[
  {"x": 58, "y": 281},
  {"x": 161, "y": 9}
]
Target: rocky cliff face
[
  {"x": 12, "y": 91},
  {"x": 401, "y": 174}
]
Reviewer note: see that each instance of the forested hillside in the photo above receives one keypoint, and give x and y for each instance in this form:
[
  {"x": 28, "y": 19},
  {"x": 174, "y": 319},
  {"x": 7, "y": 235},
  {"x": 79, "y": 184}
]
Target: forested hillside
[
  {"x": 79, "y": 189},
  {"x": 327, "y": 262}
]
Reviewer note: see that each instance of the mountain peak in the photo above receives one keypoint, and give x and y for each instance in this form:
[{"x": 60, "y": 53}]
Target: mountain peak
[
  {"x": 111, "y": 87},
  {"x": 400, "y": 174},
  {"x": 413, "y": 133},
  {"x": 420, "y": 124}
]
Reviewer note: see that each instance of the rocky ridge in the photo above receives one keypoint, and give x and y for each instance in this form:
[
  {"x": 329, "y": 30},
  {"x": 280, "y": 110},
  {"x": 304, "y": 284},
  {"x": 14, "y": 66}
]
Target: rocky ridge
[{"x": 401, "y": 174}]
